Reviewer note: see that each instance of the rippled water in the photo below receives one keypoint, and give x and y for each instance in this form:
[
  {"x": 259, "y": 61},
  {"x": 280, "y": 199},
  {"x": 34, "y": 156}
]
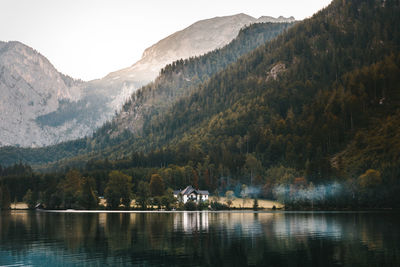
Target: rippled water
[{"x": 199, "y": 239}]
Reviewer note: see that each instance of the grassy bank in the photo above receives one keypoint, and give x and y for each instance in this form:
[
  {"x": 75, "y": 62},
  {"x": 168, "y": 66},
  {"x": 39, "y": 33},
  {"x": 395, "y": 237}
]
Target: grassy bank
[
  {"x": 239, "y": 203},
  {"x": 19, "y": 206}
]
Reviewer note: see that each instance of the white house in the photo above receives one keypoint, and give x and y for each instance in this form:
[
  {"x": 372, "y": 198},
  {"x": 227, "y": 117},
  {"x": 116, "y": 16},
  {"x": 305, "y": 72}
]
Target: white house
[{"x": 189, "y": 193}]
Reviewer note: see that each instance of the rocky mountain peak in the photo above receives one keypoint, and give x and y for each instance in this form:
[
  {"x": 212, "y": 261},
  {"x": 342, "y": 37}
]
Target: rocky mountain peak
[
  {"x": 197, "y": 39},
  {"x": 30, "y": 86}
]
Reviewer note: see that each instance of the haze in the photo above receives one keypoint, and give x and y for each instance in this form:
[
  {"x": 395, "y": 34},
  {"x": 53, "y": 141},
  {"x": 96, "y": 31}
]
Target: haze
[{"x": 88, "y": 39}]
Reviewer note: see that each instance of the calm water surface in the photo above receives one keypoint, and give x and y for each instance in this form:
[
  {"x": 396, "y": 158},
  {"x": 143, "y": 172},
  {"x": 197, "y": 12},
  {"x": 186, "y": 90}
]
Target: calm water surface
[{"x": 199, "y": 239}]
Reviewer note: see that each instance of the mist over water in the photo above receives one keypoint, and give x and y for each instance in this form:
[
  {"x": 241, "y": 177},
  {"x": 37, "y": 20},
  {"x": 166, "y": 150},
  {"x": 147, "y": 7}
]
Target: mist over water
[{"x": 309, "y": 193}]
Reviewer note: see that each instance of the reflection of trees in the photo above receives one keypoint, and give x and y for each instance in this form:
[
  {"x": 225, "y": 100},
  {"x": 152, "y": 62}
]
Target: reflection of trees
[
  {"x": 207, "y": 238},
  {"x": 117, "y": 231},
  {"x": 157, "y": 228},
  {"x": 90, "y": 226},
  {"x": 72, "y": 231},
  {"x": 4, "y": 225}
]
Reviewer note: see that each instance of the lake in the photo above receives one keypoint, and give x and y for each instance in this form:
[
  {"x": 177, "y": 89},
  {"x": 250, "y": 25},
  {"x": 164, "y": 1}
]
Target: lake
[{"x": 200, "y": 239}]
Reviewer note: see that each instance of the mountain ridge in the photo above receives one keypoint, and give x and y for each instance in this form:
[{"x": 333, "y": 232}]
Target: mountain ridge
[
  {"x": 177, "y": 79},
  {"x": 203, "y": 31},
  {"x": 78, "y": 108}
]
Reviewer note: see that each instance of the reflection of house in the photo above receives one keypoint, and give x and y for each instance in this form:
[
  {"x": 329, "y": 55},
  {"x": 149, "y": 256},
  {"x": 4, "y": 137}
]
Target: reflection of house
[
  {"x": 189, "y": 193},
  {"x": 191, "y": 221}
]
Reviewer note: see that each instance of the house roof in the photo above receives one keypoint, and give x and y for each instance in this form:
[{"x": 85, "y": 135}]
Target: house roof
[
  {"x": 203, "y": 192},
  {"x": 189, "y": 190}
]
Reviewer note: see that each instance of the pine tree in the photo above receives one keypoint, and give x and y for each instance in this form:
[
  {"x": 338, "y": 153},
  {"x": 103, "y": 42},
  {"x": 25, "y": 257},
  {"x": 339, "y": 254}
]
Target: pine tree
[
  {"x": 255, "y": 204},
  {"x": 30, "y": 199},
  {"x": 5, "y": 199},
  {"x": 88, "y": 199}
]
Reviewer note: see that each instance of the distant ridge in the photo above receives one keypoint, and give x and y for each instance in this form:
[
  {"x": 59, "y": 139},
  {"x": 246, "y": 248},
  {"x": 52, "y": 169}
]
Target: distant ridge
[{"x": 197, "y": 39}]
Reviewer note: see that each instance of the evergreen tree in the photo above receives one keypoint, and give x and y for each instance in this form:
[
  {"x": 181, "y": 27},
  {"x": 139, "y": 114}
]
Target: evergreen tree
[
  {"x": 143, "y": 194},
  {"x": 255, "y": 204},
  {"x": 5, "y": 199},
  {"x": 30, "y": 199},
  {"x": 88, "y": 199},
  {"x": 156, "y": 185},
  {"x": 118, "y": 190},
  {"x": 71, "y": 188}
]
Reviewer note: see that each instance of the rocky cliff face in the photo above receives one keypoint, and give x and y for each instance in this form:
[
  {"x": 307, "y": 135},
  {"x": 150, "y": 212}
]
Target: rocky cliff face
[
  {"x": 30, "y": 87},
  {"x": 40, "y": 106}
]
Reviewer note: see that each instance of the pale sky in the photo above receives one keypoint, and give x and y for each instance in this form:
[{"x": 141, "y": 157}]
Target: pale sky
[{"x": 87, "y": 39}]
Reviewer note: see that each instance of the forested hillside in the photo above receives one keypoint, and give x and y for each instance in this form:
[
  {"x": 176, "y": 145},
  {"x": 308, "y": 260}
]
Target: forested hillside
[
  {"x": 301, "y": 101},
  {"x": 318, "y": 104},
  {"x": 175, "y": 80},
  {"x": 182, "y": 77},
  {"x": 310, "y": 117}
]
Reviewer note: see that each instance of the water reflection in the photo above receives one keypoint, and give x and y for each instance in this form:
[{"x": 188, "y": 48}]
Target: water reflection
[
  {"x": 317, "y": 225},
  {"x": 200, "y": 238},
  {"x": 191, "y": 221}
]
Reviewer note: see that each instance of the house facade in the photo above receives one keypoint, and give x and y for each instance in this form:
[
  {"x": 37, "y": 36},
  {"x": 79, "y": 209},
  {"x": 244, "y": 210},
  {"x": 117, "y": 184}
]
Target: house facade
[{"x": 189, "y": 193}]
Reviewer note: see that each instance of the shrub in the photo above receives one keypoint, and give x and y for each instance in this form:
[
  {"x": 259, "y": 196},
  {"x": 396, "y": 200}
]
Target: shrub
[
  {"x": 203, "y": 205},
  {"x": 218, "y": 206},
  {"x": 190, "y": 205}
]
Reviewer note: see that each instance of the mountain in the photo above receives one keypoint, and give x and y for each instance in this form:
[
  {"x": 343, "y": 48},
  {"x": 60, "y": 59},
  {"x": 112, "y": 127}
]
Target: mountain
[
  {"x": 310, "y": 117},
  {"x": 182, "y": 77},
  {"x": 63, "y": 109},
  {"x": 176, "y": 80},
  {"x": 320, "y": 101},
  {"x": 197, "y": 39},
  {"x": 30, "y": 87}
]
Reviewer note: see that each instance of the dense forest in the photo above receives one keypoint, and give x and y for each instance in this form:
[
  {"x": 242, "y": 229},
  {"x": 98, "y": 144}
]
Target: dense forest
[{"x": 310, "y": 118}]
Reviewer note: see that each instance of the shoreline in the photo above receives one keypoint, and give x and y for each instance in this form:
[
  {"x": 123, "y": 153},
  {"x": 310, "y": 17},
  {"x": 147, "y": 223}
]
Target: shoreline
[
  {"x": 213, "y": 211},
  {"x": 24, "y": 207}
]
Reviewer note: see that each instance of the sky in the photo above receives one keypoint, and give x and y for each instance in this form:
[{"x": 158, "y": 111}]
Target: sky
[{"x": 87, "y": 39}]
